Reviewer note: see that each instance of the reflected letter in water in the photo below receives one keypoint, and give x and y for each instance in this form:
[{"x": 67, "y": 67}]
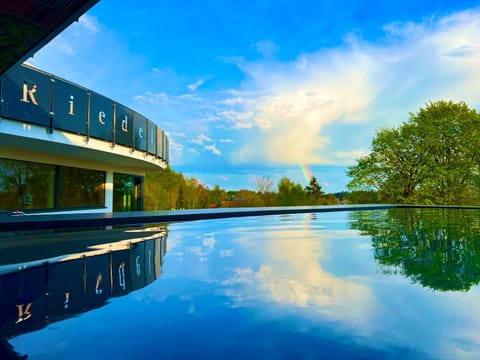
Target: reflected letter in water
[
  {"x": 36, "y": 293},
  {"x": 437, "y": 248}
]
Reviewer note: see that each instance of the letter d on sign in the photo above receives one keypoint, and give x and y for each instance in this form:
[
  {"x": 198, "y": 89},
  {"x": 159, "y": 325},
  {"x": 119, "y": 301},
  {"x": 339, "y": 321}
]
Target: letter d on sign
[{"x": 125, "y": 124}]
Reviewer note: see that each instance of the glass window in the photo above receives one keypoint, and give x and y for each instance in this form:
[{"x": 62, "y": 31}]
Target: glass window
[
  {"x": 127, "y": 192},
  {"x": 26, "y": 185},
  {"x": 81, "y": 187}
]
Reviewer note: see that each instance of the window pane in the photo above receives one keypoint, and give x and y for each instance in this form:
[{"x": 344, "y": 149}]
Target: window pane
[
  {"x": 81, "y": 187},
  {"x": 26, "y": 185}
]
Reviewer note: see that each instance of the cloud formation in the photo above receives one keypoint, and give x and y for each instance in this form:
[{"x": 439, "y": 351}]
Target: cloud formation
[
  {"x": 296, "y": 105},
  {"x": 292, "y": 274},
  {"x": 213, "y": 149},
  {"x": 200, "y": 139},
  {"x": 195, "y": 85}
]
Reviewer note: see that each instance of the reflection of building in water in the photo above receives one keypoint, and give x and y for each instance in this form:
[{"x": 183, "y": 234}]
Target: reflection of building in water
[{"x": 38, "y": 293}]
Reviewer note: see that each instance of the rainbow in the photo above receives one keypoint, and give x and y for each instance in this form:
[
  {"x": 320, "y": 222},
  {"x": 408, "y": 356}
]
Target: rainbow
[{"x": 306, "y": 172}]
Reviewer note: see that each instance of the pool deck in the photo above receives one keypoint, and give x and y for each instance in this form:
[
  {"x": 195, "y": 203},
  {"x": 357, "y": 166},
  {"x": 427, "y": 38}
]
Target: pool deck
[
  {"x": 43, "y": 222},
  {"x": 94, "y": 220}
]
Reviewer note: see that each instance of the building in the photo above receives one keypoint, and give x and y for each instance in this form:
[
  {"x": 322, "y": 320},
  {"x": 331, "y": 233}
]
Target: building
[{"x": 64, "y": 147}]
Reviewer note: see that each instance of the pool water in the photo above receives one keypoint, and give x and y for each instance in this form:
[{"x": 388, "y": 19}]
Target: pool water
[{"x": 398, "y": 283}]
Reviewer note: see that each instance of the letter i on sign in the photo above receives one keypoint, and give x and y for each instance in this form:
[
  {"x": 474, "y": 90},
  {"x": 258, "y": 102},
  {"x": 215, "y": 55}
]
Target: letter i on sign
[{"x": 71, "y": 111}]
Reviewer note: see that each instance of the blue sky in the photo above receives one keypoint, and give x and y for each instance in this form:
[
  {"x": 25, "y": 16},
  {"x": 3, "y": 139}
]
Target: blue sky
[{"x": 249, "y": 89}]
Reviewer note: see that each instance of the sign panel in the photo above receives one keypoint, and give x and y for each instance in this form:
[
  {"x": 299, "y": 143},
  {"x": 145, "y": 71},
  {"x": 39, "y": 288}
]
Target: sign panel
[
  {"x": 98, "y": 288},
  {"x": 65, "y": 288},
  {"x": 158, "y": 257},
  {"x": 23, "y": 300},
  {"x": 152, "y": 138},
  {"x": 121, "y": 280},
  {"x": 165, "y": 147},
  {"x": 26, "y": 96},
  {"x": 70, "y": 105},
  {"x": 124, "y": 126},
  {"x": 138, "y": 265},
  {"x": 159, "y": 142},
  {"x": 101, "y": 117},
  {"x": 149, "y": 261},
  {"x": 141, "y": 132}
]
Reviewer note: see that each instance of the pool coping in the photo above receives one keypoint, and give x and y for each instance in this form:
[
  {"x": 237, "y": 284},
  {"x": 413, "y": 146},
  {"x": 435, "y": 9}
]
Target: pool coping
[{"x": 63, "y": 221}]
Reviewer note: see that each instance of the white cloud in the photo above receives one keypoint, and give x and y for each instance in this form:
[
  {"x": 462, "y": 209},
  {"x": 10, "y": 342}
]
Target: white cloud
[
  {"x": 295, "y": 106},
  {"x": 226, "y": 253},
  {"x": 227, "y": 141},
  {"x": 232, "y": 101},
  {"x": 63, "y": 46},
  {"x": 176, "y": 151},
  {"x": 196, "y": 85},
  {"x": 213, "y": 149},
  {"x": 159, "y": 98},
  {"x": 89, "y": 23},
  {"x": 240, "y": 120},
  {"x": 82, "y": 30},
  {"x": 190, "y": 97},
  {"x": 209, "y": 241},
  {"x": 292, "y": 275},
  {"x": 193, "y": 151},
  {"x": 224, "y": 178},
  {"x": 176, "y": 134},
  {"x": 267, "y": 48},
  {"x": 200, "y": 139},
  {"x": 350, "y": 157}
]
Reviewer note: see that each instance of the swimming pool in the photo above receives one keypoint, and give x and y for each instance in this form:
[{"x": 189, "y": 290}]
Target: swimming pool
[{"x": 398, "y": 283}]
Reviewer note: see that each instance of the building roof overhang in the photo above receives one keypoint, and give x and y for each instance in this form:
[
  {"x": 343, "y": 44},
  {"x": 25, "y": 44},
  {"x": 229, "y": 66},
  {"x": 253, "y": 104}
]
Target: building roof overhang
[
  {"x": 30, "y": 142},
  {"x": 28, "y": 25}
]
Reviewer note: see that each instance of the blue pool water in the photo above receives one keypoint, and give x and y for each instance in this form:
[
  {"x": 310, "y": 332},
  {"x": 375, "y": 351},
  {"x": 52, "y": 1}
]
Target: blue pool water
[{"x": 391, "y": 284}]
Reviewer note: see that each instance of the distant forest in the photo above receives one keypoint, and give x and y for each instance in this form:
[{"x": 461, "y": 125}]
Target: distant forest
[{"x": 167, "y": 189}]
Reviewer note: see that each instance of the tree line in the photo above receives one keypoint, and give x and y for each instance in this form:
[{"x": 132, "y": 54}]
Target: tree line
[{"x": 166, "y": 189}]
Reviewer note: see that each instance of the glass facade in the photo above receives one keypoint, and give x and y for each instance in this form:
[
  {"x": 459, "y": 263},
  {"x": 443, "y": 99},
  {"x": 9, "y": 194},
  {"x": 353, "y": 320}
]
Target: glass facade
[
  {"x": 127, "y": 192},
  {"x": 29, "y": 185}
]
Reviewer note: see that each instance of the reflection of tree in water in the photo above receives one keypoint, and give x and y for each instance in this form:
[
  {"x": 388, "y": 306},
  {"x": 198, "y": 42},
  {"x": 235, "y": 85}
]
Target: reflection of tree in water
[
  {"x": 438, "y": 248},
  {"x": 24, "y": 184}
]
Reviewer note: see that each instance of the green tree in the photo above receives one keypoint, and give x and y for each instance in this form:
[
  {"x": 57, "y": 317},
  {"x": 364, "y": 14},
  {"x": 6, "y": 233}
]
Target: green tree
[
  {"x": 451, "y": 138},
  {"x": 314, "y": 191},
  {"x": 432, "y": 158},
  {"x": 290, "y": 193},
  {"x": 162, "y": 189},
  {"x": 217, "y": 195}
]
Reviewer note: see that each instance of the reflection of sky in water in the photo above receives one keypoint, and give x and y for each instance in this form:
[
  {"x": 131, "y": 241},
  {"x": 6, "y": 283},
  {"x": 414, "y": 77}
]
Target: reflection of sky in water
[{"x": 297, "y": 286}]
